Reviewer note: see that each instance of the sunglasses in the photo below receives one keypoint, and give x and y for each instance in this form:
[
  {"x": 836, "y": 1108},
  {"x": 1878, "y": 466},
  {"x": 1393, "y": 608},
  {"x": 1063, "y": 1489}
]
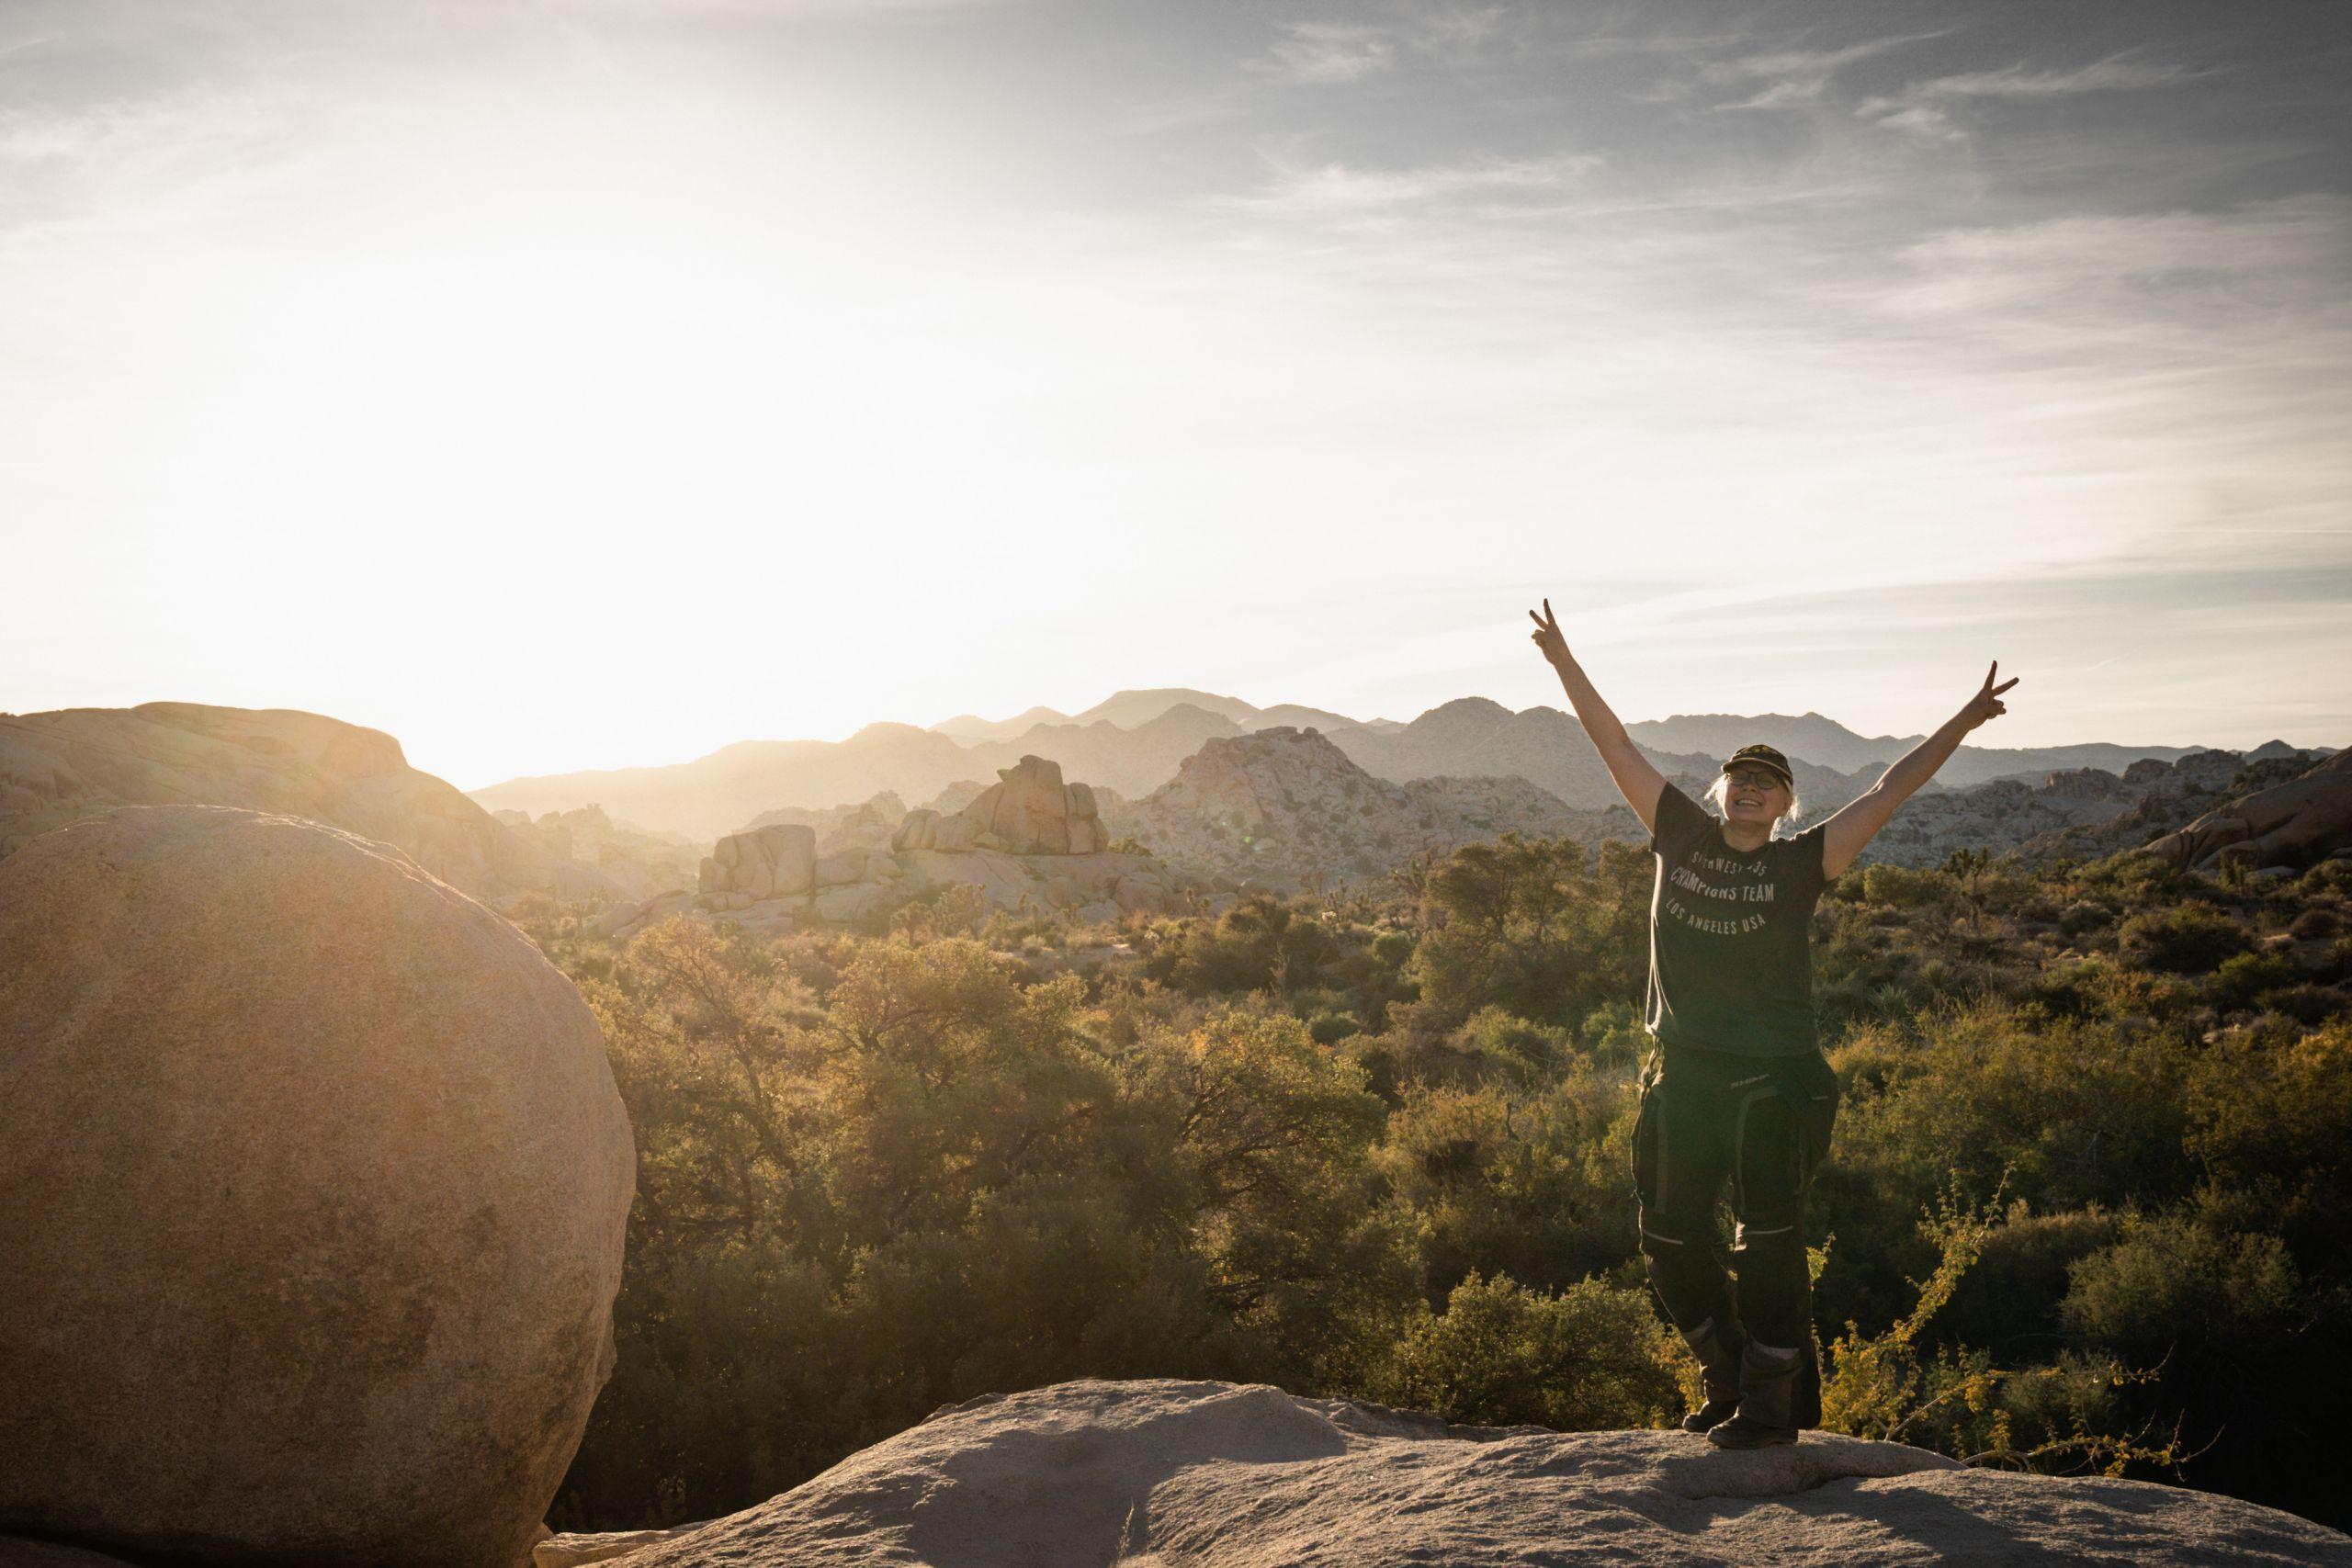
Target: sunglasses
[{"x": 1754, "y": 778}]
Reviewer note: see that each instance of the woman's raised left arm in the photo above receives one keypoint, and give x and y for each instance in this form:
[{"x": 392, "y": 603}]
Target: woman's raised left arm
[{"x": 1858, "y": 823}]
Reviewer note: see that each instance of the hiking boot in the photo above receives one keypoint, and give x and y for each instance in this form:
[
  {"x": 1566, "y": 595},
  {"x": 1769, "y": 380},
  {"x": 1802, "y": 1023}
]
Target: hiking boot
[
  {"x": 1717, "y": 1345},
  {"x": 1767, "y": 1388}
]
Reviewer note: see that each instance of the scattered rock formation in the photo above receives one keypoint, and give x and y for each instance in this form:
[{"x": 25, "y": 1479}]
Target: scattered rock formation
[
  {"x": 58, "y": 767},
  {"x": 2081, "y": 813},
  {"x": 636, "y": 864},
  {"x": 1029, "y": 841},
  {"x": 2292, "y": 823},
  {"x": 2163, "y": 799},
  {"x": 1028, "y": 812},
  {"x": 951, "y": 800},
  {"x": 1285, "y": 809},
  {"x": 776, "y": 862},
  {"x": 313, "y": 1182},
  {"x": 865, "y": 825},
  {"x": 1997, "y": 817},
  {"x": 1213, "y": 1475}
]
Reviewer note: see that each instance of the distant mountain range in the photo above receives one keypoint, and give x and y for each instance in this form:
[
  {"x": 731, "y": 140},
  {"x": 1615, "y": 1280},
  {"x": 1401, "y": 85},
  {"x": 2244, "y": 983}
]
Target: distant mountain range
[{"x": 1134, "y": 742}]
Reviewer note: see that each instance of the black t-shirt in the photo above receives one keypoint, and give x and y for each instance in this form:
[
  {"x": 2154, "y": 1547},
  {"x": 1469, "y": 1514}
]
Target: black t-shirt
[{"x": 1731, "y": 962}]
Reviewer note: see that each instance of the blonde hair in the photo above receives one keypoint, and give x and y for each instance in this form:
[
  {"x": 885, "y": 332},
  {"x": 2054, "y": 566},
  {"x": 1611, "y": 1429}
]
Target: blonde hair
[{"x": 1714, "y": 797}]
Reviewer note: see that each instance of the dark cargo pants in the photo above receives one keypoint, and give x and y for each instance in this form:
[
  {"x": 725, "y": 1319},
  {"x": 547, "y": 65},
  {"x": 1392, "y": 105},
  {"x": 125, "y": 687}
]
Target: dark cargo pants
[{"x": 1763, "y": 1125}]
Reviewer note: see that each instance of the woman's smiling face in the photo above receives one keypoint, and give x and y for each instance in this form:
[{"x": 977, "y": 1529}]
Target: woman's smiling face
[{"x": 1752, "y": 795}]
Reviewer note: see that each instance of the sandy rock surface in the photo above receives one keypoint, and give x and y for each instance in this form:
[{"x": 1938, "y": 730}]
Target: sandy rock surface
[
  {"x": 1161, "y": 1474},
  {"x": 313, "y": 1182}
]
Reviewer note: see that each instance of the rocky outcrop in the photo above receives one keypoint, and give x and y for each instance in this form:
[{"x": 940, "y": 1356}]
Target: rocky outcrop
[
  {"x": 2163, "y": 799},
  {"x": 313, "y": 1180},
  {"x": 1285, "y": 809},
  {"x": 1028, "y": 812},
  {"x": 58, "y": 767},
  {"x": 778, "y": 862},
  {"x": 2087, "y": 784},
  {"x": 865, "y": 825},
  {"x": 636, "y": 864},
  {"x": 2082, "y": 813},
  {"x": 1028, "y": 843},
  {"x": 1214, "y": 1475},
  {"x": 2292, "y": 823},
  {"x": 1997, "y": 818},
  {"x": 951, "y": 801}
]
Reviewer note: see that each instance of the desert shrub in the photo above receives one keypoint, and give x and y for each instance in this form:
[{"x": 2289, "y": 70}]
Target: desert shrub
[
  {"x": 2270, "y": 1122},
  {"x": 2008, "y": 1300},
  {"x": 1616, "y": 1034},
  {"x": 1498, "y": 1041},
  {"x": 2305, "y": 1003},
  {"x": 955, "y": 908},
  {"x": 1261, "y": 943},
  {"x": 2172, "y": 1279},
  {"x": 2246, "y": 975},
  {"x": 1958, "y": 1399},
  {"x": 2036, "y": 907},
  {"x": 2118, "y": 992},
  {"x": 1274, "y": 1135},
  {"x": 2066, "y": 1114},
  {"x": 1905, "y": 887},
  {"x": 2187, "y": 939},
  {"x": 2311, "y": 925},
  {"x": 1589, "y": 1356},
  {"x": 1489, "y": 1179},
  {"x": 1538, "y": 928},
  {"x": 1330, "y": 1028},
  {"x": 2330, "y": 877},
  {"x": 2084, "y": 915}
]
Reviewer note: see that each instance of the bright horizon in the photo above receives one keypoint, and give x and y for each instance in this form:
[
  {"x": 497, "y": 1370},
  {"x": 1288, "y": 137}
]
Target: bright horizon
[{"x": 598, "y": 385}]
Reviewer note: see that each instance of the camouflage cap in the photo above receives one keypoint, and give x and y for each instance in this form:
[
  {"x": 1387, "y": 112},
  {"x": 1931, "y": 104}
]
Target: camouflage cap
[{"x": 1761, "y": 757}]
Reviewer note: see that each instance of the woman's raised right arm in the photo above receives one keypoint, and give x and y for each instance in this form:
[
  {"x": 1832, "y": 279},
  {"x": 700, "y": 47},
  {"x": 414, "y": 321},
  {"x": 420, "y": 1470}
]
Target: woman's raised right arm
[{"x": 1637, "y": 781}]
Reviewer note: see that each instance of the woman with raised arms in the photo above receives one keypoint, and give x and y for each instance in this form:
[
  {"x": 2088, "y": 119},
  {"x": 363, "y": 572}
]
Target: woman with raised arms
[{"x": 1737, "y": 1089}]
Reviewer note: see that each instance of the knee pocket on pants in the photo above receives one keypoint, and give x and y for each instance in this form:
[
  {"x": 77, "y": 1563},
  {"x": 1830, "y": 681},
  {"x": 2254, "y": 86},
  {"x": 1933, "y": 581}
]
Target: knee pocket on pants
[
  {"x": 1664, "y": 1238},
  {"x": 1770, "y": 1234}
]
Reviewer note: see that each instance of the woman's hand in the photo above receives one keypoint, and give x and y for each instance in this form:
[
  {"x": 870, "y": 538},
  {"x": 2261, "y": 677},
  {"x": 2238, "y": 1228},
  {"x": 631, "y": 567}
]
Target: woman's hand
[
  {"x": 1986, "y": 703},
  {"x": 1548, "y": 639}
]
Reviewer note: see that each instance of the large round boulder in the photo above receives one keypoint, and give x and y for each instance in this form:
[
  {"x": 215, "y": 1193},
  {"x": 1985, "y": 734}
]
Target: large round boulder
[{"x": 312, "y": 1187}]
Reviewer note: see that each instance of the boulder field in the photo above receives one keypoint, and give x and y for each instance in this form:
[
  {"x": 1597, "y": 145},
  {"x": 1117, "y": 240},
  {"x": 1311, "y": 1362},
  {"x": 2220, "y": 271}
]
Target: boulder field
[
  {"x": 1163, "y": 1474},
  {"x": 313, "y": 1182},
  {"x": 1028, "y": 842}
]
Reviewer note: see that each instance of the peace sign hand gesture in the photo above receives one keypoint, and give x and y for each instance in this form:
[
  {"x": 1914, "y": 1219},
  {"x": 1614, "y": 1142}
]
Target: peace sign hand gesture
[
  {"x": 1547, "y": 636},
  {"x": 1987, "y": 704}
]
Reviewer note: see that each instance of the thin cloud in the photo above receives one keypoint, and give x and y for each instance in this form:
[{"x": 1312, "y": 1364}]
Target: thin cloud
[
  {"x": 1329, "y": 52},
  {"x": 1793, "y": 77},
  {"x": 2097, "y": 265},
  {"x": 1337, "y": 189},
  {"x": 1325, "y": 53},
  {"x": 1924, "y": 111}
]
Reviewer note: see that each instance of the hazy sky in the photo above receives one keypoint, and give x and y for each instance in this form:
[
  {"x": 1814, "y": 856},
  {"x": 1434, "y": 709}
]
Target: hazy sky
[{"x": 576, "y": 384}]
